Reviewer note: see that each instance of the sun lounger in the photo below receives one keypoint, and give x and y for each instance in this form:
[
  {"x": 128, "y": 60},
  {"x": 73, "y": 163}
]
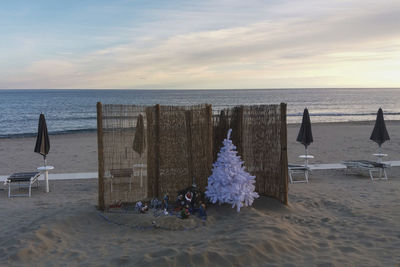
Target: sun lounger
[
  {"x": 22, "y": 180},
  {"x": 121, "y": 177},
  {"x": 295, "y": 169},
  {"x": 370, "y": 166}
]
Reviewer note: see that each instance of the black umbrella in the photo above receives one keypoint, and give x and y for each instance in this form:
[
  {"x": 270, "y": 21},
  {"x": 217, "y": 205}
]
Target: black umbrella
[
  {"x": 305, "y": 134},
  {"x": 42, "y": 140},
  {"x": 220, "y": 131},
  {"x": 139, "y": 141},
  {"x": 223, "y": 122},
  {"x": 380, "y": 134}
]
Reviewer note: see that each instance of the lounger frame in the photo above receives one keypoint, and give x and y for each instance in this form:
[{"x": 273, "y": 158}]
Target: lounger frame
[
  {"x": 22, "y": 180},
  {"x": 370, "y": 166},
  {"x": 296, "y": 169}
]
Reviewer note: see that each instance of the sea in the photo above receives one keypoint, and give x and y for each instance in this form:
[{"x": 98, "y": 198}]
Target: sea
[{"x": 69, "y": 111}]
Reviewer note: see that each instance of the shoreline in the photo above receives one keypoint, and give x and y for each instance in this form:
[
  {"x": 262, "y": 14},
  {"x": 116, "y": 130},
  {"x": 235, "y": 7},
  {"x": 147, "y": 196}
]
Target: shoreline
[
  {"x": 67, "y": 132},
  {"x": 71, "y": 132}
]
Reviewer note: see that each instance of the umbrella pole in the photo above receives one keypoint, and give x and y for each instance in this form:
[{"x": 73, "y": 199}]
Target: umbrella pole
[
  {"x": 380, "y": 160},
  {"x": 380, "y": 157},
  {"x": 306, "y": 159},
  {"x": 141, "y": 174},
  {"x": 46, "y": 175}
]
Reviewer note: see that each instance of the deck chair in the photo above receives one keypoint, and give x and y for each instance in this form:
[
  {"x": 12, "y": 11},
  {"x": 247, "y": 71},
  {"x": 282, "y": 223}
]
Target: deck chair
[
  {"x": 121, "y": 177},
  {"x": 296, "y": 169},
  {"x": 370, "y": 166},
  {"x": 22, "y": 180}
]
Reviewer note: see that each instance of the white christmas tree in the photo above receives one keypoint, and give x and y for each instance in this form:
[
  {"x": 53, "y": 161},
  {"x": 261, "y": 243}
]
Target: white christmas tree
[{"x": 229, "y": 182}]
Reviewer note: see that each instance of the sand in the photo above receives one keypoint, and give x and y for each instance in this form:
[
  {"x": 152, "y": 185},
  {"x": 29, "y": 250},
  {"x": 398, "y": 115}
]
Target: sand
[
  {"x": 68, "y": 153},
  {"x": 71, "y": 153},
  {"x": 335, "y": 220}
]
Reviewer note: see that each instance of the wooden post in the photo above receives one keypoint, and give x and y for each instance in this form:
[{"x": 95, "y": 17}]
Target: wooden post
[
  {"x": 150, "y": 151},
  {"x": 188, "y": 114},
  {"x": 157, "y": 150},
  {"x": 240, "y": 134},
  {"x": 210, "y": 155},
  {"x": 210, "y": 132},
  {"x": 100, "y": 155},
  {"x": 284, "y": 158}
]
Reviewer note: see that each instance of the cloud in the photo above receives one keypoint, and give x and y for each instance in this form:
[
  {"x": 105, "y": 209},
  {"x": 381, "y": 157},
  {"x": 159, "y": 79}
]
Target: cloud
[{"x": 299, "y": 44}]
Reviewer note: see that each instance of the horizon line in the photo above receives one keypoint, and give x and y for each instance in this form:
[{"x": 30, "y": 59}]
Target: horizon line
[{"x": 199, "y": 89}]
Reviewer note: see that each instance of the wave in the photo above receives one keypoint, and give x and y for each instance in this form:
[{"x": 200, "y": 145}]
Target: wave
[
  {"x": 341, "y": 114},
  {"x": 73, "y": 118},
  {"x": 85, "y": 129},
  {"x": 30, "y": 134},
  {"x": 19, "y": 121}
]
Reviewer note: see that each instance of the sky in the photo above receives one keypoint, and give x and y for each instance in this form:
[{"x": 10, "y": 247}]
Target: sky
[{"x": 208, "y": 44}]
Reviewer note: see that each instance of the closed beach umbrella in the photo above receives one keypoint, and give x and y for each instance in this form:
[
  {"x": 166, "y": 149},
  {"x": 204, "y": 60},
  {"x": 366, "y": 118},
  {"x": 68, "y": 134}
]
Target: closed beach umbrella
[
  {"x": 380, "y": 135},
  {"x": 223, "y": 122},
  {"x": 42, "y": 140},
  {"x": 221, "y": 130},
  {"x": 139, "y": 141},
  {"x": 305, "y": 134}
]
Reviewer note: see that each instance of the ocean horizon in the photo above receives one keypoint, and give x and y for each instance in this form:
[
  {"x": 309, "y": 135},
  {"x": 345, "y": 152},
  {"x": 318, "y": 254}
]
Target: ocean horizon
[{"x": 74, "y": 110}]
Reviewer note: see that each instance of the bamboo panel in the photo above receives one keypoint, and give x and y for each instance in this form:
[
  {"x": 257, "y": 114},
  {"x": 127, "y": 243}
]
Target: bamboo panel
[
  {"x": 201, "y": 148},
  {"x": 125, "y": 178},
  {"x": 259, "y": 133},
  {"x": 173, "y": 153},
  {"x": 261, "y": 145},
  {"x": 185, "y": 148},
  {"x": 152, "y": 114}
]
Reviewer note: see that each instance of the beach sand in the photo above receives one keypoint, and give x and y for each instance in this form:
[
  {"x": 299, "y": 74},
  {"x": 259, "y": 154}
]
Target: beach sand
[
  {"x": 68, "y": 153},
  {"x": 335, "y": 220},
  {"x": 77, "y": 152}
]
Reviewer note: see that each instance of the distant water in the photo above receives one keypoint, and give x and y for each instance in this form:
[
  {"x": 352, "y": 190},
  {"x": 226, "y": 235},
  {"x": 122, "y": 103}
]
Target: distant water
[{"x": 75, "y": 110}]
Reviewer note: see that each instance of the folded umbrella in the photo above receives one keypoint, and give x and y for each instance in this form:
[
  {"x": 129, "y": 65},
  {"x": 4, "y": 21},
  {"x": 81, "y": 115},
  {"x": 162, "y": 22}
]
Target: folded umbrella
[
  {"x": 380, "y": 134},
  {"x": 305, "y": 134},
  {"x": 42, "y": 140},
  {"x": 139, "y": 141}
]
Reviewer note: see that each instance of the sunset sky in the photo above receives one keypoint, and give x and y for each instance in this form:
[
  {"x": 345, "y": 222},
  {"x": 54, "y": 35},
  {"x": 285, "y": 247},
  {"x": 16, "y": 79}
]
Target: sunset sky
[{"x": 199, "y": 44}]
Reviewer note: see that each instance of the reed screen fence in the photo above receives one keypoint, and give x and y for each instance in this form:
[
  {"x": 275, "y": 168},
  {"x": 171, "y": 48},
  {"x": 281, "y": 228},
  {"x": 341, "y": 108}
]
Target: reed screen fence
[{"x": 147, "y": 151}]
